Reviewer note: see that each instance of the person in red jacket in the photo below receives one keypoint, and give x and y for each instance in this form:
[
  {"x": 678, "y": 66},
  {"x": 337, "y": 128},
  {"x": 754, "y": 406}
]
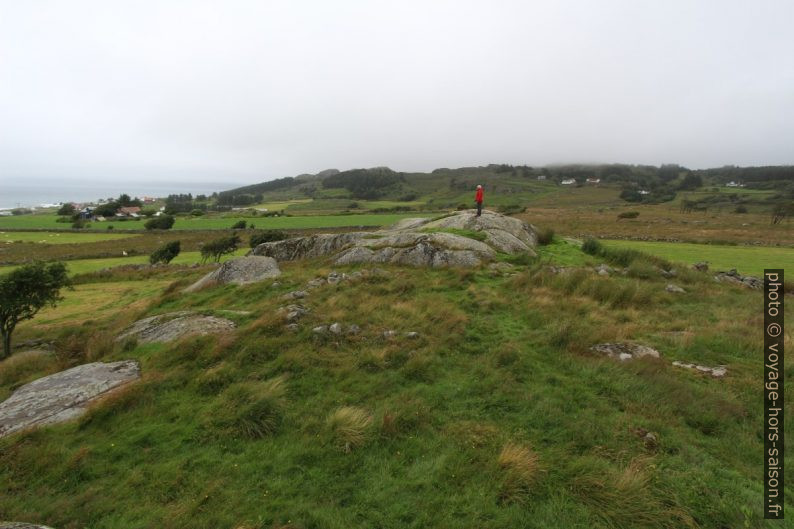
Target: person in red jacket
[{"x": 478, "y": 200}]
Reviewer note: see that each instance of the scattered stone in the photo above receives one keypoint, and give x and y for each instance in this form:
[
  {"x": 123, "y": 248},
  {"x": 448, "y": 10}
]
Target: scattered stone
[
  {"x": 320, "y": 329},
  {"x": 63, "y": 396},
  {"x": 314, "y": 283},
  {"x": 295, "y": 294},
  {"x": 732, "y": 276},
  {"x": 275, "y": 284},
  {"x": 412, "y": 335},
  {"x": 293, "y": 327},
  {"x": 701, "y": 266},
  {"x": 353, "y": 329},
  {"x": 668, "y": 274},
  {"x": 389, "y": 334},
  {"x": 239, "y": 271},
  {"x": 624, "y": 351},
  {"x": 674, "y": 289},
  {"x": 716, "y": 372},
  {"x": 603, "y": 270},
  {"x": 335, "y": 328},
  {"x": 174, "y": 325},
  {"x": 502, "y": 268},
  {"x": 335, "y": 277},
  {"x": 294, "y": 312}
]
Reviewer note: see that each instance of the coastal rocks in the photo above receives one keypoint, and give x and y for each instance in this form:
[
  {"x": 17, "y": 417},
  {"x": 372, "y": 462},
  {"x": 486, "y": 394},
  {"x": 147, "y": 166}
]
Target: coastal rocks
[
  {"x": 624, "y": 351},
  {"x": 63, "y": 396},
  {"x": 239, "y": 271},
  {"x": 174, "y": 325},
  {"x": 716, "y": 372},
  {"x": 733, "y": 277},
  {"x": 415, "y": 242}
]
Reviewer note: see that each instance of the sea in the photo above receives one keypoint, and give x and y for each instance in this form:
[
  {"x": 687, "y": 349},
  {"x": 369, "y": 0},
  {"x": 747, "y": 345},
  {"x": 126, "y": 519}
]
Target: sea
[{"x": 42, "y": 193}]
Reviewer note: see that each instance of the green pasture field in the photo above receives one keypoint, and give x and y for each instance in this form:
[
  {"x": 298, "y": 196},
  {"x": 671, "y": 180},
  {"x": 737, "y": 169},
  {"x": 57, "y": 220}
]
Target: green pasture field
[
  {"x": 750, "y": 260},
  {"x": 210, "y": 222},
  {"x": 75, "y": 237}
]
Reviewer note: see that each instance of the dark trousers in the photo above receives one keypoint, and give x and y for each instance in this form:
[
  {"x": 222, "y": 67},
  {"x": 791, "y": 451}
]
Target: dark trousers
[{"x": 479, "y": 208}]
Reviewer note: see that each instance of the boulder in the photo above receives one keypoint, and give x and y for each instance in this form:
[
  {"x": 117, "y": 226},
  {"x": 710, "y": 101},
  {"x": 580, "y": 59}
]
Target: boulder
[
  {"x": 624, "y": 351},
  {"x": 734, "y": 277},
  {"x": 239, "y": 271},
  {"x": 414, "y": 242},
  {"x": 63, "y": 396},
  {"x": 716, "y": 372},
  {"x": 174, "y": 325},
  {"x": 674, "y": 289}
]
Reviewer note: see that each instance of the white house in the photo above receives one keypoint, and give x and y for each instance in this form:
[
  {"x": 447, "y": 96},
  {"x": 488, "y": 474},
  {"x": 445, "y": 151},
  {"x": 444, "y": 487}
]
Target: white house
[
  {"x": 568, "y": 181},
  {"x": 644, "y": 192},
  {"x": 541, "y": 177},
  {"x": 593, "y": 180}
]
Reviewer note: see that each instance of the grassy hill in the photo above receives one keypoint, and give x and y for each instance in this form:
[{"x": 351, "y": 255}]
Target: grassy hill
[{"x": 496, "y": 415}]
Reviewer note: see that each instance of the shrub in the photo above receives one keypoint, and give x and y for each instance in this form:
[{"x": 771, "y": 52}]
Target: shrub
[
  {"x": 163, "y": 222},
  {"x": 79, "y": 224},
  {"x": 545, "y": 236},
  {"x": 349, "y": 427},
  {"x": 520, "y": 466},
  {"x": 165, "y": 253},
  {"x": 67, "y": 209},
  {"x": 628, "y": 214},
  {"x": 267, "y": 236},
  {"x": 219, "y": 247},
  {"x": 197, "y": 212},
  {"x": 592, "y": 246},
  {"x": 239, "y": 225},
  {"x": 740, "y": 209}
]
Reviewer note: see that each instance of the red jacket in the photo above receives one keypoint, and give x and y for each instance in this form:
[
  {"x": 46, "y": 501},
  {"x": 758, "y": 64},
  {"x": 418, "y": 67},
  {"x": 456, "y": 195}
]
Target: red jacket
[{"x": 478, "y": 196}]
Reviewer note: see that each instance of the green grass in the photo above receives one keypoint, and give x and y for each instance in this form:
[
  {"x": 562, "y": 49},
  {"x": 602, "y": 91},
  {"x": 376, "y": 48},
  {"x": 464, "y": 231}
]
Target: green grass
[
  {"x": 84, "y": 266},
  {"x": 216, "y": 222},
  {"x": 750, "y": 260},
  {"x": 495, "y": 416},
  {"x": 59, "y": 237}
]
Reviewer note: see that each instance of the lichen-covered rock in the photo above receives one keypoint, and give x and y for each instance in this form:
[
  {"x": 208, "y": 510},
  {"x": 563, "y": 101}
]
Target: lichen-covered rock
[
  {"x": 239, "y": 271},
  {"x": 174, "y": 325},
  {"x": 732, "y": 276},
  {"x": 624, "y": 351},
  {"x": 63, "y": 396},
  {"x": 415, "y": 242},
  {"x": 716, "y": 372}
]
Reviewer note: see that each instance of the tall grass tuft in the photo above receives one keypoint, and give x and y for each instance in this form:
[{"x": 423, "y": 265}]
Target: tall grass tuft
[
  {"x": 251, "y": 410},
  {"x": 349, "y": 426},
  {"x": 521, "y": 468},
  {"x": 545, "y": 236}
]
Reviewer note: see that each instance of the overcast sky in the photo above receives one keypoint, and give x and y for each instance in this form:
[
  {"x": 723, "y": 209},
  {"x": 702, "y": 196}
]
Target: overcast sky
[{"x": 253, "y": 90}]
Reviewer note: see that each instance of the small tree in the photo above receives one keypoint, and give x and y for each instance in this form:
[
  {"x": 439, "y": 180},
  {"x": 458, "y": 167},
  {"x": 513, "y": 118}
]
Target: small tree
[
  {"x": 165, "y": 253},
  {"x": 267, "y": 236},
  {"x": 67, "y": 210},
  {"x": 163, "y": 222},
  {"x": 25, "y": 291},
  {"x": 219, "y": 247},
  {"x": 239, "y": 225}
]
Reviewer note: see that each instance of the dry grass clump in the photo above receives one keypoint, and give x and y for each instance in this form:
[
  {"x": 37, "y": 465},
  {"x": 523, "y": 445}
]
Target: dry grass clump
[
  {"x": 521, "y": 469},
  {"x": 349, "y": 426}
]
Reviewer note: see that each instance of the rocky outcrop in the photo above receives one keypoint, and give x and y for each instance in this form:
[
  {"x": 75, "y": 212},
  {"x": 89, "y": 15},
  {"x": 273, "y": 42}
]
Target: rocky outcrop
[
  {"x": 416, "y": 242},
  {"x": 174, "y": 325},
  {"x": 63, "y": 396},
  {"x": 716, "y": 372},
  {"x": 734, "y": 277},
  {"x": 624, "y": 351},
  {"x": 239, "y": 271},
  {"x": 22, "y": 525}
]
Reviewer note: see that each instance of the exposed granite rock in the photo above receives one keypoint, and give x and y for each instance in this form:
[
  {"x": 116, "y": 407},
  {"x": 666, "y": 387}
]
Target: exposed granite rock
[
  {"x": 734, "y": 277},
  {"x": 413, "y": 242},
  {"x": 624, "y": 351},
  {"x": 716, "y": 372},
  {"x": 174, "y": 325},
  {"x": 239, "y": 271},
  {"x": 674, "y": 289},
  {"x": 22, "y": 525},
  {"x": 63, "y": 396}
]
